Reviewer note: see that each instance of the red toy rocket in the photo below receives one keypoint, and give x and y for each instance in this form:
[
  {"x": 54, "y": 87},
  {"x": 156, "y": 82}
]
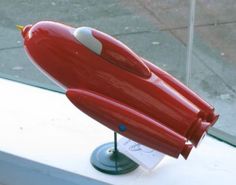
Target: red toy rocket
[{"x": 109, "y": 82}]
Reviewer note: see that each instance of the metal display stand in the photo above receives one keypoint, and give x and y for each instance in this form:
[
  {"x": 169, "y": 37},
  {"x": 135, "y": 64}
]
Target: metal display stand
[{"x": 107, "y": 159}]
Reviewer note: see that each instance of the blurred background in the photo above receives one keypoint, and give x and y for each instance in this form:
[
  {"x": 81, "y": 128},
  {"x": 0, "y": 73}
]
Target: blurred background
[{"x": 155, "y": 29}]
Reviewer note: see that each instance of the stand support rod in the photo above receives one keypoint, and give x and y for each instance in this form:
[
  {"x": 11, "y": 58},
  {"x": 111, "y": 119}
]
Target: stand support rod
[{"x": 115, "y": 143}]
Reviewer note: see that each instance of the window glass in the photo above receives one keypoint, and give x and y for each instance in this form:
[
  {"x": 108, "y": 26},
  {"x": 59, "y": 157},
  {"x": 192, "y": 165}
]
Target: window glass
[{"x": 156, "y": 30}]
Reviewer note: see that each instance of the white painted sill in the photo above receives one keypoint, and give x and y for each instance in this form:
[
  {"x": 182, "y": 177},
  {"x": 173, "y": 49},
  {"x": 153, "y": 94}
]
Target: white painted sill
[{"x": 44, "y": 139}]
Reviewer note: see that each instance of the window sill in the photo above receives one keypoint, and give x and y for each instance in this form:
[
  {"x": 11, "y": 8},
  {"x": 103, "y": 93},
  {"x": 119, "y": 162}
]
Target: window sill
[{"x": 44, "y": 139}]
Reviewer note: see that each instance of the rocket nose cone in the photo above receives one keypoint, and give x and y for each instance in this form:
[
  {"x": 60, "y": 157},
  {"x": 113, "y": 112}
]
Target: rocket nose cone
[
  {"x": 19, "y": 27},
  {"x": 24, "y": 29}
]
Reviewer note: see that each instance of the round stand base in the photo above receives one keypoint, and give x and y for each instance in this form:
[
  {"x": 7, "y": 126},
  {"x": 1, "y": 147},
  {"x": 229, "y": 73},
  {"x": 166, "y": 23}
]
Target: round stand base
[{"x": 105, "y": 159}]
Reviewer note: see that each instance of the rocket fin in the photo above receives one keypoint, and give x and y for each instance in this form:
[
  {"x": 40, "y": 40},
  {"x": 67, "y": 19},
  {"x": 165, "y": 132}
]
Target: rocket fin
[{"x": 129, "y": 122}]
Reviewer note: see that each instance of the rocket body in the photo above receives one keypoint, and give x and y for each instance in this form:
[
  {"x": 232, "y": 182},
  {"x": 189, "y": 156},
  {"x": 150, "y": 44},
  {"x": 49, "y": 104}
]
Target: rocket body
[{"x": 109, "y": 82}]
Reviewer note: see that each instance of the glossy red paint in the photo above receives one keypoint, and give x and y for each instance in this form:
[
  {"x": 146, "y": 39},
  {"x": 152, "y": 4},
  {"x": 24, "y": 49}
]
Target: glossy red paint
[{"x": 115, "y": 86}]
